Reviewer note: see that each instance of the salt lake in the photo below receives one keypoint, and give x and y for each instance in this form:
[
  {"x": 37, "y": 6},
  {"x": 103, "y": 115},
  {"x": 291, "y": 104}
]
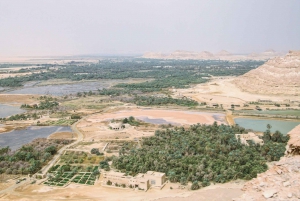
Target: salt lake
[
  {"x": 16, "y": 138},
  {"x": 8, "y": 110}
]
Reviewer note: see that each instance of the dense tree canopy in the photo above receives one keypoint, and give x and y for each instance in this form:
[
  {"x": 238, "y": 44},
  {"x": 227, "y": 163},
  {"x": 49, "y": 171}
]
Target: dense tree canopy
[
  {"x": 201, "y": 153},
  {"x": 30, "y": 158}
]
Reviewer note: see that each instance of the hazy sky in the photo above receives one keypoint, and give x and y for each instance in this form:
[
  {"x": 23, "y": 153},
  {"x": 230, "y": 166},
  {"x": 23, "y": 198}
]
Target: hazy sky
[{"x": 71, "y": 27}]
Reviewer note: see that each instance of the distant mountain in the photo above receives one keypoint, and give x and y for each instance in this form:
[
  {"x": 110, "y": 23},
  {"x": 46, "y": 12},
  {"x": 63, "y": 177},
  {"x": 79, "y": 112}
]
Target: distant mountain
[
  {"x": 223, "y": 53},
  {"x": 205, "y": 55},
  {"x": 180, "y": 54},
  {"x": 268, "y": 54},
  {"x": 280, "y": 75}
]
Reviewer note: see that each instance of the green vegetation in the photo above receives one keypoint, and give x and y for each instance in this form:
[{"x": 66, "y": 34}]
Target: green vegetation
[
  {"x": 152, "y": 100},
  {"x": 29, "y": 158},
  {"x": 65, "y": 174},
  {"x": 131, "y": 120},
  {"x": 180, "y": 73},
  {"x": 47, "y": 102},
  {"x": 96, "y": 151},
  {"x": 71, "y": 157},
  {"x": 43, "y": 105},
  {"x": 285, "y": 112},
  {"x": 60, "y": 122},
  {"x": 202, "y": 153},
  {"x": 75, "y": 116},
  {"x": 22, "y": 117}
]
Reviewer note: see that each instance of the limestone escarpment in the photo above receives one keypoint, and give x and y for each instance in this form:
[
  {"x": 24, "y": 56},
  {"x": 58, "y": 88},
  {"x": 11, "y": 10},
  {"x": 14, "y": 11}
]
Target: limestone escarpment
[{"x": 280, "y": 75}]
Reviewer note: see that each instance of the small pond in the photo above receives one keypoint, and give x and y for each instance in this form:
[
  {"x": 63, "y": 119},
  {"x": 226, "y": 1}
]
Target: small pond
[
  {"x": 7, "y": 110},
  {"x": 16, "y": 138},
  {"x": 261, "y": 124}
]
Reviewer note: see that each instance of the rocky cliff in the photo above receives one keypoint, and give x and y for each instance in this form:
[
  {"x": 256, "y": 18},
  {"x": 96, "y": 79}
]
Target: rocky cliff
[
  {"x": 280, "y": 182},
  {"x": 280, "y": 75}
]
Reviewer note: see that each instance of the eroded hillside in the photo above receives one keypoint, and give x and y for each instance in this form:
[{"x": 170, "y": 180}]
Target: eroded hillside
[{"x": 280, "y": 75}]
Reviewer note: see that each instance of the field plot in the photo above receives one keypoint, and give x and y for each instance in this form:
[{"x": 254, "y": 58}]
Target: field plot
[
  {"x": 85, "y": 178},
  {"x": 76, "y": 175},
  {"x": 80, "y": 157}
]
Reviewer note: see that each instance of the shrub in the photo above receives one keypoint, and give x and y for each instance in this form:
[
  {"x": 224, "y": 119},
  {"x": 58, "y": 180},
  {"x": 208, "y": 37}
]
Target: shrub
[{"x": 195, "y": 185}]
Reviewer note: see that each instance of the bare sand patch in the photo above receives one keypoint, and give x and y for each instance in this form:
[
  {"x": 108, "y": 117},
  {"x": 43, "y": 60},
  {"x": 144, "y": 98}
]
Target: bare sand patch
[
  {"x": 172, "y": 116},
  {"x": 88, "y": 147},
  {"x": 224, "y": 91},
  {"x": 6, "y": 75},
  {"x": 95, "y": 127},
  {"x": 63, "y": 135},
  {"x": 222, "y": 192},
  {"x": 17, "y": 99}
]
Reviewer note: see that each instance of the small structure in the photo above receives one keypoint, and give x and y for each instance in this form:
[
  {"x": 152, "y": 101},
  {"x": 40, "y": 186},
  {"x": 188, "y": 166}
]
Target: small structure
[
  {"x": 141, "y": 181},
  {"x": 258, "y": 108},
  {"x": 40, "y": 175},
  {"x": 250, "y": 136},
  {"x": 215, "y": 104},
  {"x": 264, "y": 100},
  {"x": 116, "y": 126}
]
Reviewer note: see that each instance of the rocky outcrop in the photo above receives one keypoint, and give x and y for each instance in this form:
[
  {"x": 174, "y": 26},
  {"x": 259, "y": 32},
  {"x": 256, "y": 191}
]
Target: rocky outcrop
[
  {"x": 293, "y": 145},
  {"x": 280, "y": 182},
  {"x": 280, "y": 75}
]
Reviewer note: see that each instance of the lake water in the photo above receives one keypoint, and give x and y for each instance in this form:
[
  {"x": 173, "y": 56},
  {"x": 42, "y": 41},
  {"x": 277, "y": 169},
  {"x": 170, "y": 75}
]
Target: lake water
[
  {"x": 7, "y": 110},
  {"x": 16, "y": 138},
  {"x": 261, "y": 124},
  {"x": 62, "y": 89}
]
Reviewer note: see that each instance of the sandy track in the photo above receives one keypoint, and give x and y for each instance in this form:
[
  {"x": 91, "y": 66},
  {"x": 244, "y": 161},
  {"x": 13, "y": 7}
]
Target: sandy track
[{"x": 219, "y": 192}]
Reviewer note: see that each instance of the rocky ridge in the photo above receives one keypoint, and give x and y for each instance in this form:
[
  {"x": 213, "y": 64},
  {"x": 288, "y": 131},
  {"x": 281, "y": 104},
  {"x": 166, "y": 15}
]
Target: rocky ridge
[
  {"x": 280, "y": 75},
  {"x": 280, "y": 182}
]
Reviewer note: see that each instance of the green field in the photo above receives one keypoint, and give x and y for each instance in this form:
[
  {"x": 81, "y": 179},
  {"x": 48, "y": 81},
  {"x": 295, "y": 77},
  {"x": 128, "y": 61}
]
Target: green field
[
  {"x": 272, "y": 112},
  {"x": 76, "y": 175}
]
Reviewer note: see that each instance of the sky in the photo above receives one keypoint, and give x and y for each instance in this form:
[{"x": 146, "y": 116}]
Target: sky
[{"x": 124, "y": 27}]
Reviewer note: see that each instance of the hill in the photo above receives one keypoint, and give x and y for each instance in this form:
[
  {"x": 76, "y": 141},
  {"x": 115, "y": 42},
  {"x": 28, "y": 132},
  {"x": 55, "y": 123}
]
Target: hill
[{"x": 280, "y": 76}]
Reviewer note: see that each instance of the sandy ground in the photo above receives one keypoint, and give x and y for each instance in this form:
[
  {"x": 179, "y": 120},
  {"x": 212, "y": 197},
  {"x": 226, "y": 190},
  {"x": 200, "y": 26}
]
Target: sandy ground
[
  {"x": 223, "y": 91},
  {"x": 221, "y": 192},
  {"x": 63, "y": 135},
  {"x": 95, "y": 127},
  {"x": 88, "y": 147},
  {"x": 6, "y": 75},
  {"x": 18, "y": 99},
  {"x": 173, "y": 116},
  {"x": 100, "y": 131}
]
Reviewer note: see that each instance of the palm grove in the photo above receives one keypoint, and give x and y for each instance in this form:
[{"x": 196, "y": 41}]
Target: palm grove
[{"x": 201, "y": 153}]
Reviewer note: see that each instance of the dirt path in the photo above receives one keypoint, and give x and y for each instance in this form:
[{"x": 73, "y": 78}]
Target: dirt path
[{"x": 61, "y": 151}]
